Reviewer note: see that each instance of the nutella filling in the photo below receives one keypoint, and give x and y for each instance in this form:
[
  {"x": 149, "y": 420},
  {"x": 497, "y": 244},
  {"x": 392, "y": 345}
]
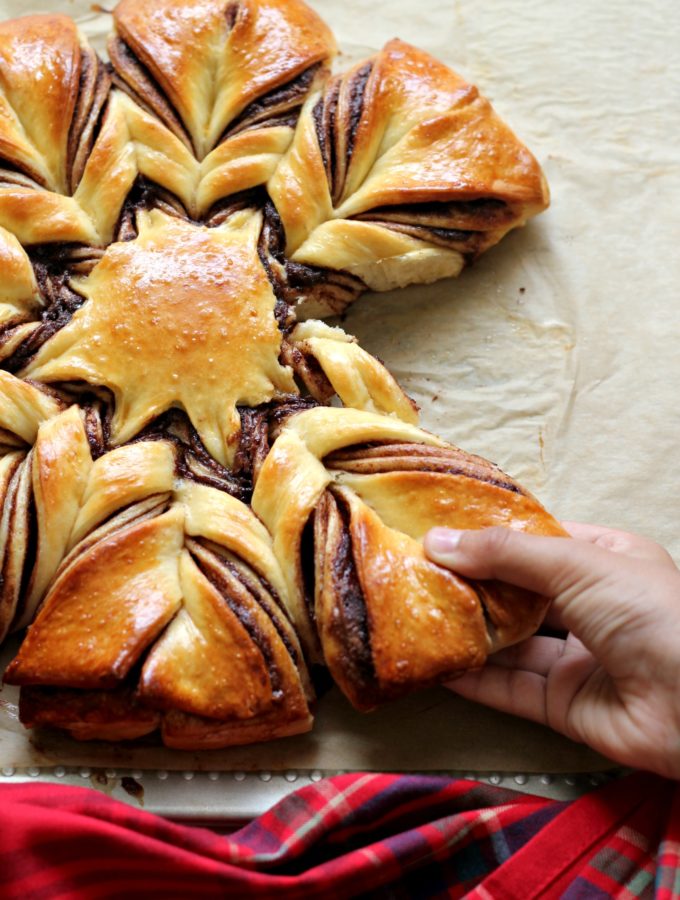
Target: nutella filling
[
  {"x": 350, "y": 620},
  {"x": 222, "y": 579},
  {"x": 95, "y": 83},
  {"x": 370, "y": 460},
  {"x": 281, "y": 106},
  {"x": 133, "y": 77}
]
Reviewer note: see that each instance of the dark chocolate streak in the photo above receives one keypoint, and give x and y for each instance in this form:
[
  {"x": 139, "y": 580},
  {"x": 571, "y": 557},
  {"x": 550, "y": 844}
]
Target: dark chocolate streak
[
  {"x": 270, "y": 251},
  {"x": 443, "y": 469},
  {"x": 271, "y": 108},
  {"x": 356, "y": 106},
  {"x": 253, "y": 198},
  {"x": 473, "y": 215},
  {"x": 21, "y": 527},
  {"x": 307, "y": 563},
  {"x": 10, "y": 505},
  {"x": 279, "y": 413},
  {"x": 14, "y": 167},
  {"x": 134, "y": 78},
  {"x": 126, "y": 227},
  {"x": 146, "y": 195},
  {"x": 334, "y": 119},
  {"x": 290, "y": 281},
  {"x": 322, "y": 137},
  {"x": 308, "y": 374},
  {"x": 383, "y": 458},
  {"x": 193, "y": 461},
  {"x": 262, "y": 591},
  {"x": 455, "y": 470},
  {"x": 335, "y": 288},
  {"x": 330, "y": 109},
  {"x": 60, "y": 304},
  {"x": 93, "y": 92},
  {"x": 254, "y": 443},
  {"x": 231, "y": 14},
  {"x": 466, "y": 242},
  {"x": 30, "y": 555},
  {"x": 88, "y": 77},
  {"x": 245, "y": 617},
  {"x": 461, "y": 226},
  {"x": 456, "y": 225},
  {"x": 56, "y": 257},
  {"x": 97, "y": 425},
  {"x": 355, "y": 632}
]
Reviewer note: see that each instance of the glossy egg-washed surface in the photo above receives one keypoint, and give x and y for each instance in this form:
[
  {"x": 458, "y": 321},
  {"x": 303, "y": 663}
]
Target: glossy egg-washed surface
[{"x": 201, "y": 494}]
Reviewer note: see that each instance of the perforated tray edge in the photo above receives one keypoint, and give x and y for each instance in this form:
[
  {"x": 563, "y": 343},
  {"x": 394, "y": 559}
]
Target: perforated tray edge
[{"x": 222, "y": 798}]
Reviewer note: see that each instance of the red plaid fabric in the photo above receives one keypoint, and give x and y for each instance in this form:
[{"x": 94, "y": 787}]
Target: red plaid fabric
[{"x": 357, "y": 835}]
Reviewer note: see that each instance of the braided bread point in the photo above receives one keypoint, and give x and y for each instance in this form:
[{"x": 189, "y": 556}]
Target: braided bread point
[{"x": 356, "y": 493}]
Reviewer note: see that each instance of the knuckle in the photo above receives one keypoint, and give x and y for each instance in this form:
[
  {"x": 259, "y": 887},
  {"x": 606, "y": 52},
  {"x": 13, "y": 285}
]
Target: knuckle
[
  {"x": 619, "y": 542},
  {"x": 495, "y": 541}
]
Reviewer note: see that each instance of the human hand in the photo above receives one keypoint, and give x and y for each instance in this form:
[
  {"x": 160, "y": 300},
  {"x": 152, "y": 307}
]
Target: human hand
[{"x": 614, "y": 681}]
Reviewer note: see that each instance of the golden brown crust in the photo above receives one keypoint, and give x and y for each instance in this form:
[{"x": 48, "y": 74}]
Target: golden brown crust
[
  {"x": 400, "y": 171},
  {"x": 54, "y": 90},
  {"x": 208, "y": 60},
  {"x": 417, "y": 623},
  {"x": 425, "y": 134},
  {"x": 185, "y": 732},
  {"x": 15, "y": 469},
  {"x": 158, "y": 228},
  {"x": 114, "y": 715},
  {"x": 424, "y": 622},
  {"x": 104, "y": 609},
  {"x": 60, "y": 467},
  {"x": 382, "y": 617},
  {"x": 212, "y": 294},
  {"x": 206, "y": 663},
  {"x": 148, "y": 549},
  {"x": 19, "y": 291},
  {"x": 39, "y": 53},
  {"x": 226, "y": 657}
]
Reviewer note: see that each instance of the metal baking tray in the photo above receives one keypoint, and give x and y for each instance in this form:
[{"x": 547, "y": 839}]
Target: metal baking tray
[
  {"x": 223, "y": 799},
  {"x": 432, "y": 732}
]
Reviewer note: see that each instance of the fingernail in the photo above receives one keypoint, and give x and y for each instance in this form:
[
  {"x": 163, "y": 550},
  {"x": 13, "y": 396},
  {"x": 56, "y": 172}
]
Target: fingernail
[{"x": 442, "y": 541}]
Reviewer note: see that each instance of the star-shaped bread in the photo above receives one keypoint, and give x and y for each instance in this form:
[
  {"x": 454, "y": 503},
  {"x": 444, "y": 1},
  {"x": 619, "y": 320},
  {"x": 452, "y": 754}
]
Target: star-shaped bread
[
  {"x": 204, "y": 491},
  {"x": 181, "y": 316}
]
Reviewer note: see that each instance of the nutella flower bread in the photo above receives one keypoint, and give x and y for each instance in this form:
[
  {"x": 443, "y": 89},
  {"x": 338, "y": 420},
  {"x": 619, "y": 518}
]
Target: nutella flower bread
[{"x": 201, "y": 494}]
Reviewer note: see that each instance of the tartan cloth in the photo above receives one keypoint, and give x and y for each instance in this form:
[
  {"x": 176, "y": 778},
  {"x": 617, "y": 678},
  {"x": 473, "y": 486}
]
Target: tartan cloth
[{"x": 358, "y": 835}]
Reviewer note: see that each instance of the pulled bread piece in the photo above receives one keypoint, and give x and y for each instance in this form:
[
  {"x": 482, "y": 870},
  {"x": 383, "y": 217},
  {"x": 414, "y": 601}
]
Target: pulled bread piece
[{"x": 356, "y": 493}]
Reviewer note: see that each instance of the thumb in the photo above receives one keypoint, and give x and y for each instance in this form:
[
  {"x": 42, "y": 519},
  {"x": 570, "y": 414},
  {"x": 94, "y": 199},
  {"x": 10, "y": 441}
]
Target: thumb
[
  {"x": 547, "y": 565},
  {"x": 586, "y": 582}
]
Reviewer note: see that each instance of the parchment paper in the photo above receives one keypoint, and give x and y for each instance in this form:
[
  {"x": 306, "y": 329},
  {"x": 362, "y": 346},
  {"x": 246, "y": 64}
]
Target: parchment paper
[{"x": 555, "y": 355}]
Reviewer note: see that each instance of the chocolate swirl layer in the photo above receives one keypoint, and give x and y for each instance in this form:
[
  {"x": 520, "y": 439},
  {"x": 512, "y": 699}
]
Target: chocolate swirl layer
[
  {"x": 361, "y": 492},
  {"x": 209, "y": 655},
  {"x": 353, "y": 599},
  {"x": 217, "y": 47},
  {"x": 336, "y": 115},
  {"x": 50, "y": 122},
  {"x": 93, "y": 92}
]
